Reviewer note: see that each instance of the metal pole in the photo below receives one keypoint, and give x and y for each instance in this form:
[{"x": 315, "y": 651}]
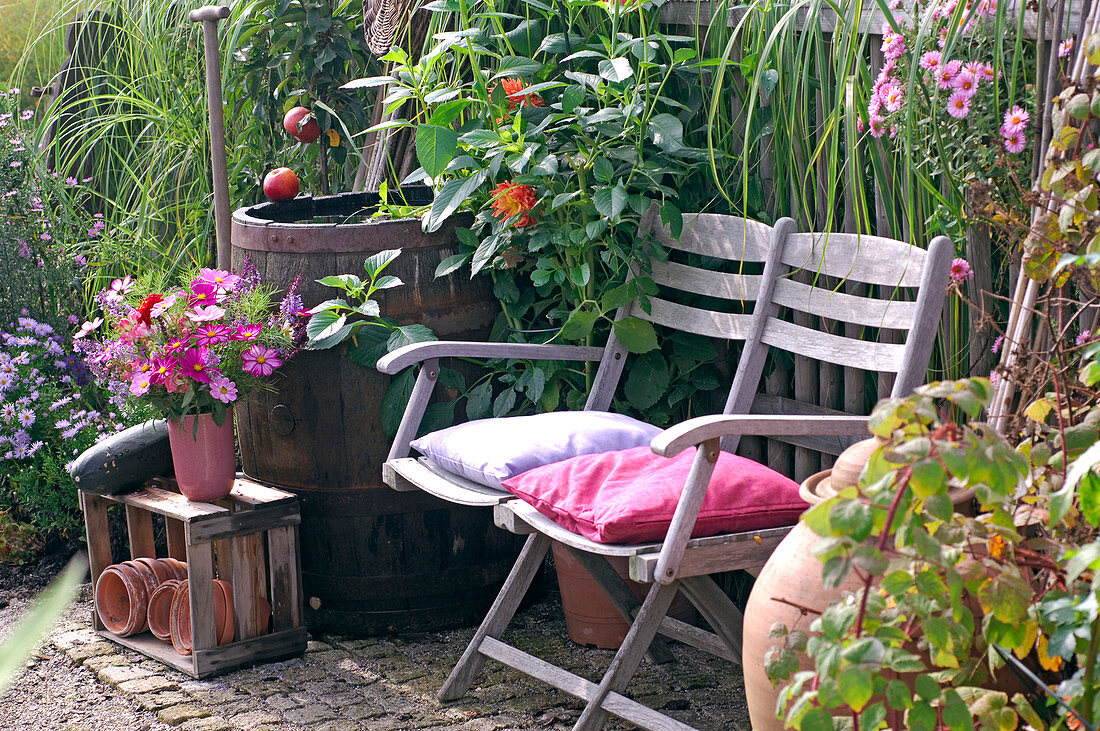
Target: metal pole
[{"x": 209, "y": 17}]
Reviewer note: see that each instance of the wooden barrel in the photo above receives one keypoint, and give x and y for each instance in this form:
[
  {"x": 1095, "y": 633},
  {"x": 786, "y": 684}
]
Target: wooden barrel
[{"x": 373, "y": 559}]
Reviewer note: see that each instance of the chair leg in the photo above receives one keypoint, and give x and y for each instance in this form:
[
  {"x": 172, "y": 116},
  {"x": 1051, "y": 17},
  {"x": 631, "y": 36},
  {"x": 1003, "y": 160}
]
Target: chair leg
[
  {"x": 500, "y": 614},
  {"x": 621, "y": 596},
  {"x": 626, "y": 660},
  {"x": 720, "y": 613}
]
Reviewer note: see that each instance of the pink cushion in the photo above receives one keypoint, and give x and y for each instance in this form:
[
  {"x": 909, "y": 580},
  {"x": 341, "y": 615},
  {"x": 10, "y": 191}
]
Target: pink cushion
[{"x": 629, "y": 496}]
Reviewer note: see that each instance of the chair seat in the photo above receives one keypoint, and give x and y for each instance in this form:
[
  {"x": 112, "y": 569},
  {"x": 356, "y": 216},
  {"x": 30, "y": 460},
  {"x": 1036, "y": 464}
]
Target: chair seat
[
  {"x": 747, "y": 550},
  {"x": 408, "y": 473}
]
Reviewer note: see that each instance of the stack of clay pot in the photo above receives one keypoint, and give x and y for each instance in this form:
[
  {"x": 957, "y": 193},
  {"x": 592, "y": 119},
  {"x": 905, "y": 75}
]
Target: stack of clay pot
[
  {"x": 153, "y": 594},
  {"x": 123, "y": 590}
]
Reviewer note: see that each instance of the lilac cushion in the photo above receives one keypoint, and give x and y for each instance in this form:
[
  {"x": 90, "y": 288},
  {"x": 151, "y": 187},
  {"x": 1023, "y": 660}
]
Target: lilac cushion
[
  {"x": 489, "y": 451},
  {"x": 630, "y": 496}
]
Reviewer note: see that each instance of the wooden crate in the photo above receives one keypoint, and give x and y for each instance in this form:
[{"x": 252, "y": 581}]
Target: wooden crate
[{"x": 250, "y": 539}]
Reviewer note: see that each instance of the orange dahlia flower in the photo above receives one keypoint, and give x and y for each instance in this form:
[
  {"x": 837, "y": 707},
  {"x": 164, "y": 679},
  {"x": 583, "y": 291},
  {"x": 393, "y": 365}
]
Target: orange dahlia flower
[
  {"x": 514, "y": 199},
  {"x": 513, "y": 89}
]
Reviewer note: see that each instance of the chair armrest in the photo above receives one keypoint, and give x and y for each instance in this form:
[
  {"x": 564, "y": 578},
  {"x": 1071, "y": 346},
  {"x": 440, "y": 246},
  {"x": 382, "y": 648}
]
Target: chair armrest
[
  {"x": 686, "y": 434},
  {"x": 418, "y": 352}
]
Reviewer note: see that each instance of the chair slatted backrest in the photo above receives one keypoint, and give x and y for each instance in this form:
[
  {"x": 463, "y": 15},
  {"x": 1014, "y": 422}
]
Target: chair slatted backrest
[
  {"x": 708, "y": 245},
  {"x": 855, "y": 301}
]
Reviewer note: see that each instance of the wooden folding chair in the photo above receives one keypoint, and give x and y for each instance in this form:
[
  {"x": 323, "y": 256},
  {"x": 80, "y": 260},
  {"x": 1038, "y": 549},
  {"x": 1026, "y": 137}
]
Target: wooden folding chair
[{"x": 905, "y": 288}]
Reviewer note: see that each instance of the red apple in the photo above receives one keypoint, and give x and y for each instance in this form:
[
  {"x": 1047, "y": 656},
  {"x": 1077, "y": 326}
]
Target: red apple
[
  {"x": 309, "y": 132},
  {"x": 281, "y": 184}
]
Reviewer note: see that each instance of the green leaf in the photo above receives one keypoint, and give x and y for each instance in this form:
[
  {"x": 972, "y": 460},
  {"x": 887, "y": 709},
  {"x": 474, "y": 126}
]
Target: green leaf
[
  {"x": 610, "y": 202},
  {"x": 369, "y": 345},
  {"x": 897, "y": 695},
  {"x": 579, "y": 325},
  {"x": 926, "y": 688},
  {"x": 768, "y": 79},
  {"x": 341, "y": 281},
  {"x": 387, "y": 282},
  {"x": 615, "y": 70},
  {"x": 873, "y": 716},
  {"x": 636, "y": 335},
  {"x": 516, "y": 66},
  {"x": 667, "y": 131},
  {"x": 329, "y": 305},
  {"x": 450, "y": 264},
  {"x": 648, "y": 380},
  {"x": 617, "y": 297},
  {"x": 320, "y": 322},
  {"x": 409, "y": 334},
  {"x": 1007, "y": 596},
  {"x": 37, "y": 622},
  {"x": 447, "y": 201},
  {"x": 852, "y": 518},
  {"x": 673, "y": 218},
  {"x": 396, "y": 399},
  {"x": 857, "y": 685},
  {"x": 479, "y": 401},
  {"x": 571, "y": 98},
  {"x": 448, "y": 112},
  {"x": 504, "y": 403},
  {"x": 375, "y": 263},
  {"x": 435, "y": 148},
  {"x": 817, "y": 719}
]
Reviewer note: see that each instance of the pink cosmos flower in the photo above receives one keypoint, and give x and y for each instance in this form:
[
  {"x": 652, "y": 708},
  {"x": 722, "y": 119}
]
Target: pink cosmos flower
[
  {"x": 87, "y": 328},
  {"x": 202, "y": 293},
  {"x": 260, "y": 360},
  {"x": 206, "y": 335},
  {"x": 193, "y": 365},
  {"x": 966, "y": 82},
  {"x": 119, "y": 288},
  {"x": 947, "y": 74},
  {"x": 247, "y": 332},
  {"x": 220, "y": 278},
  {"x": 223, "y": 389},
  {"x": 1015, "y": 142},
  {"x": 960, "y": 270},
  {"x": 1016, "y": 120},
  {"x": 958, "y": 105},
  {"x": 893, "y": 97},
  {"x": 163, "y": 306},
  {"x": 131, "y": 327},
  {"x": 140, "y": 384},
  {"x": 931, "y": 60},
  {"x": 163, "y": 369},
  {"x": 206, "y": 314},
  {"x": 178, "y": 345}
]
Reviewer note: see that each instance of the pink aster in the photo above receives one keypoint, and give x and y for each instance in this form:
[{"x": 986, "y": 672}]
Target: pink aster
[
  {"x": 1015, "y": 142},
  {"x": 878, "y": 126},
  {"x": 247, "y": 332},
  {"x": 139, "y": 385},
  {"x": 221, "y": 279},
  {"x": 260, "y": 360},
  {"x": 892, "y": 97},
  {"x": 958, "y": 105},
  {"x": 202, "y": 293},
  {"x": 966, "y": 82},
  {"x": 1065, "y": 48},
  {"x": 960, "y": 270},
  {"x": 931, "y": 60},
  {"x": 206, "y": 314},
  {"x": 1016, "y": 120},
  {"x": 206, "y": 335},
  {"x": 1084, "y": 337},
  {"x": 893, "y": 45},
  {"x": 223, "y": 389},
  {"x": 193, "y": 365},
  {"x": 947, "y": 74}
]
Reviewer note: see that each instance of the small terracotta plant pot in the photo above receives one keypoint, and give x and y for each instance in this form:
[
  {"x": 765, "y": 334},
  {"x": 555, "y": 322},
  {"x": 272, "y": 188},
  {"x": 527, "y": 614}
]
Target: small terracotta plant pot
[
  {"x": 160, "y": 610},
  {"x": 179, "y": 568},
  {"x": 180, "y": 617},
  {"x": 121, "y": 600},
  {"x": 160, "y": 570}
]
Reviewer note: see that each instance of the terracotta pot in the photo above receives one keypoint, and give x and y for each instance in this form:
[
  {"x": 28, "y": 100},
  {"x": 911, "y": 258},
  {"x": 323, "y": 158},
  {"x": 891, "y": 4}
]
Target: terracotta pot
[
  {"x": 793, "y": 574},
  {"x": 121, "y": 599},
  {"x": 177, "y": 567},
  {"x": 159, "y": 613},
  {"x": 180, "y": 617},
  {"x": 160, "y": 570},
  {"x": 204, "y": 456},
  {"x": 590, "y": 617}
]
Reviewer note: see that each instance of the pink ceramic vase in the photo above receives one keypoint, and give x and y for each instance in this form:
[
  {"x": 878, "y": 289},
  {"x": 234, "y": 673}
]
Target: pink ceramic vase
[{"x": 204, "y": 456}]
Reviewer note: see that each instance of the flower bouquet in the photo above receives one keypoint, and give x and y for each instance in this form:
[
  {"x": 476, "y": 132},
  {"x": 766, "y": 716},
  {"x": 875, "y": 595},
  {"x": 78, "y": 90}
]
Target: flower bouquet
[{"x": 191, "y": 352}]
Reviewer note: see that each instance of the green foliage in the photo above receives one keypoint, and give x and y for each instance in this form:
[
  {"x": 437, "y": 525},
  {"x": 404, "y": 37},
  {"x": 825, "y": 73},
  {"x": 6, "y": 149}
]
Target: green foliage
[{"x": 942, "y": 593}]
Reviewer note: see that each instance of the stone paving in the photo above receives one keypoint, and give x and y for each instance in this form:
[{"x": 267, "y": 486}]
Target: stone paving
[{"x": 390, "y": 682}]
